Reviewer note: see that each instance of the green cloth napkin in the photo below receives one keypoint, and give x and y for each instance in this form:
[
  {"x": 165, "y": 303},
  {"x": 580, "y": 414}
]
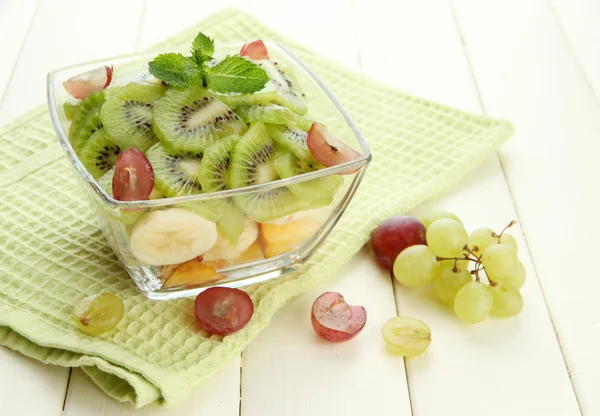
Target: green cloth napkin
[{"x": 52, "y": 253}]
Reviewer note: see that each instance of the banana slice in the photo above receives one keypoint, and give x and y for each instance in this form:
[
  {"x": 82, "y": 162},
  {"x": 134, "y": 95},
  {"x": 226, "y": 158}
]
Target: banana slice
[
  {"x": 223, "y": 248},
  {"x": 172, "y": 236}
]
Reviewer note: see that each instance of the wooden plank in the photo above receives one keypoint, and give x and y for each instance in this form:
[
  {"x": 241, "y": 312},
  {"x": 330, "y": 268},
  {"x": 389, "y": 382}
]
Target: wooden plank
[
  {"x": 527, "y": 71},
  {"x": 288, "y": 370},
  {"x": 162, "y": 20},
  {"x": 15, "y": 18},
  {"x": 325, "y": 27},
  {"x": 23, "y": 378},
  {"x": 61, "y": 33},
  {"x": 579, "y": 20},
  {"x": 498, "y": 367},
  {"x": 220, "y": 395},
  {"x": 66, "y": 32}
]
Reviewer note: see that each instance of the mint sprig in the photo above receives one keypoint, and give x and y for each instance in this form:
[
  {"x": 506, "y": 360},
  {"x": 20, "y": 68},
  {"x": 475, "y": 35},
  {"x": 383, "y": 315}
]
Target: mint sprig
[
  {"x": 233, "y": 74},
  {"x": 203, "y": 48},
  {"x": 177, "y": 70},
  {"x": 236, "y": 74}
]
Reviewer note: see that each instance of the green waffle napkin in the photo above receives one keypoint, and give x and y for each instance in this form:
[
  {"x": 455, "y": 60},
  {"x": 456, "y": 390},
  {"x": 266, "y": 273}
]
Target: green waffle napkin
[{"x": 52, "y": 254}]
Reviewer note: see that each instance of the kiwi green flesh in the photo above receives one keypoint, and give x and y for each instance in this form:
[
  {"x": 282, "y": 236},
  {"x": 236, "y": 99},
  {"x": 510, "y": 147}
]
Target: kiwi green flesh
[
  {"x": 234, "y": 101},
  {"x": 175, "y": 175},
  {"x": 231, "y": 222},
  {"x": 70, "y": 110},
  {"x": 252, "y": 159},
  {"x": 288, "y": 89},
  {"x": 325, "y": 187},
  {"x": 127, "y": 115},
  {"x": 86, "y": 120},
  {"x": 294, "y": 140},
  {"x": 274, "y": 114},
  {"x": 275, "y": 203},
  {"x": 99, "y": 154},
  {"x": 192, "y": 119},
  {"x": 215, "y": 165}
]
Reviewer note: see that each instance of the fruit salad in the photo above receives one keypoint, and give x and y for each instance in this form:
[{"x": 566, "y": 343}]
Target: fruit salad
[{"x": 199, "y": 125}]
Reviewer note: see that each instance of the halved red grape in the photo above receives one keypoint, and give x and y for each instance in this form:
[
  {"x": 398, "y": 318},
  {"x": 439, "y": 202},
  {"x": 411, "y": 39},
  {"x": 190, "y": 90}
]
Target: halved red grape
[
  {"x": 82, "y": 85},
  {"x": 394, "y": 235},
  {"x": 255, "y": 50},
  {"x": 328, "y": 150},
  {"x": 134, "y": 176},
  {"x": 222, "y": 310},
  {"x": 336, "y": 321}
]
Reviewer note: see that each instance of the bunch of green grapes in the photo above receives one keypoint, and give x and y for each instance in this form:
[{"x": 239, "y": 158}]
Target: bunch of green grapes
[{"x": 477, "y": 274}]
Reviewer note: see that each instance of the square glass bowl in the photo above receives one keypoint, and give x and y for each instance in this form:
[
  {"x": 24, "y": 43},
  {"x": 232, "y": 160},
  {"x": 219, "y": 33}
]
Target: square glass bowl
[{"x": 279, "y": 245}]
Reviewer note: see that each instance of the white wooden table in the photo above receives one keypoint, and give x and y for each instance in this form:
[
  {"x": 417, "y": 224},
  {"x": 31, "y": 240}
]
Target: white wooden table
[{"x": 535, "y": 62}]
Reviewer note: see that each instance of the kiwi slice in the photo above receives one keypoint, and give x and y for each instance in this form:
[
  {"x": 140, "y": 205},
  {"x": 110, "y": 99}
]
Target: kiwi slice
[
  {"x": 175, "y": 175},
  {"x": 191, "y": 119},
  {"x": 70, "y": 110},
  {"x": 99, "y": 154},
  {"x": 274, "y": 114},
  {"x": 253, "y": 162},
  {"x": 127, "y": 115},
  {"x": 215, "y": 164},
  {"x": 236, "y": 101},
  {"x": 86, "y": 120},
  {"x": 294, "y": 140},
  {"x": 325, "y": 187},
  {"x": 288, "y": 89}
]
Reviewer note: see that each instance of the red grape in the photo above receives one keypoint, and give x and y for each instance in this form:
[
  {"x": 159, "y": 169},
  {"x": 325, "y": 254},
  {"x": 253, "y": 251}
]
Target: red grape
[
  {"x": 328, "y": 150},
  {"x": 134, "y": 176},
  {"x": 222, "y": 310},
  {"x": 336, "y": 321},
  {"x": 394, "y": 235}
]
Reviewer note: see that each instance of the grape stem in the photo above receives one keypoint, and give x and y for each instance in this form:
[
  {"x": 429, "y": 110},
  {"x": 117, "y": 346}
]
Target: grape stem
[{"x": 510, "y": 224}]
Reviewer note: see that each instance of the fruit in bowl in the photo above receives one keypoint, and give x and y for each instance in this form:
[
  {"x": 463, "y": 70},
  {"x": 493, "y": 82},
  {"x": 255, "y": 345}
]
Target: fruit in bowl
[{"x": 209, "y": 162}]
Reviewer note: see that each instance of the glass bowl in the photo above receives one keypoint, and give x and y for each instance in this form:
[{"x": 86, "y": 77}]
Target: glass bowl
[{"x": 281, "y": 245}]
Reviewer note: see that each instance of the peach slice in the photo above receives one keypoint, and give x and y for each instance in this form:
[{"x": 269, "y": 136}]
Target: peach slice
[
  {"x": 277, "y": 239},
  {"x": 192, "y": 273},
  {"x": 253, "y": 253}
]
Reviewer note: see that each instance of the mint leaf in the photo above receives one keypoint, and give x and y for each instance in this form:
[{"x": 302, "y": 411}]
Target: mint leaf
[
  {"x": 203, "y": 48},
  {"x": 236, "y": 74},
  {"x": 177, "y": 70}
]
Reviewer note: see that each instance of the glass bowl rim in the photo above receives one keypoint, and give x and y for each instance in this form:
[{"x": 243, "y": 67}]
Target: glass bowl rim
[{"x": 108, "y": 199}]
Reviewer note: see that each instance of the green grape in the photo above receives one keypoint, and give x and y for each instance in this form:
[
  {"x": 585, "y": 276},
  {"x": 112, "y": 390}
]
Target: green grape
[
  {"x": 511, "y": 241},
  {"x": 406, "y": 336},
  {"x": 473, "y": 302},
  {"x": 500, "y": 261},
  {"x": 517, "y": 278},
  {"x": 98, "y": 313},
  {"x": 507, "y": 300},
  {"x": 415, "y": 266},
  {"x": 446, "y": 238},
  {"x": 449, "y": 282},
  {"x": 482, "y": 238},
  {"x": 433, "y": 215}
]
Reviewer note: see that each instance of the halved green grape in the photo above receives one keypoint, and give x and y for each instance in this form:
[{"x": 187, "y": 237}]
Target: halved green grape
[
  {"x": 509, "y": 240},
  {"x": 446, "y": 238},
  {"x": 473, "y": 302},
  {"x": 98, "y": 313},
  {"x": 482, "y": 238},
  {"x": 500, "y": 261},
  {"x": 433, "y": 215},
  {"x": 449, "y": 281},
  {"x": 406, "y": 336},
  {"x": 507, "y": 300},
  {"x": 415, "y": 266}
]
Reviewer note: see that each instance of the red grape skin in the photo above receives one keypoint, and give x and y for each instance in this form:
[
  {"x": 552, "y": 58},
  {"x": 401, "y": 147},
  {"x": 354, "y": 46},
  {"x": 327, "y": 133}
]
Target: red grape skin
[
  {"x": 394, "y": 235},
  {"x": 334, "y": 320},
  {"x": 222, "y": 311}
]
